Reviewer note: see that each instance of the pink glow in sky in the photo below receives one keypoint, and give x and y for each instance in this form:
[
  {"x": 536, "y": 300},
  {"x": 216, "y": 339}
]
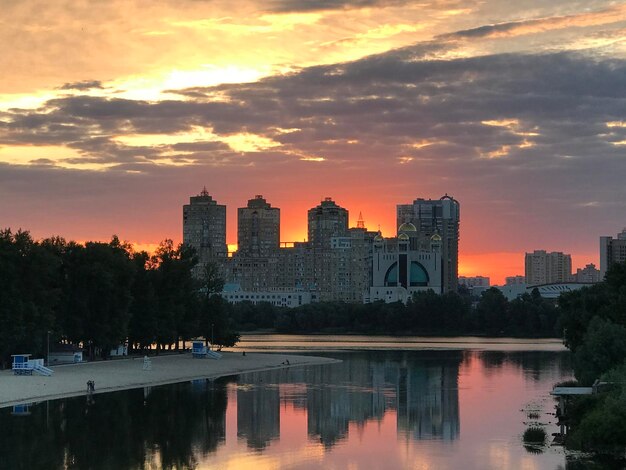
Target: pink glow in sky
[{"x": 113, "y": 113}]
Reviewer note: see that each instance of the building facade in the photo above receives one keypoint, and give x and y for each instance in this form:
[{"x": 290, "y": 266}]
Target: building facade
[
  {"x": 402, "y": 266},
  {"x": 440, "y": 217},
  {"x": 587, "y": 275},
  {"x": 515, "y": 280},
  {"x": 204, "y": 227},
  {"x": 325, "y": 221},
  {"x": 546, "y": 268},
  {"x": 612, "y": 250},
  {"x": 258, "y": 229}
]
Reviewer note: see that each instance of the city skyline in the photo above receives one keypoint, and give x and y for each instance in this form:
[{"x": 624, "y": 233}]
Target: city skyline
[{"x": 112, "y": 113}]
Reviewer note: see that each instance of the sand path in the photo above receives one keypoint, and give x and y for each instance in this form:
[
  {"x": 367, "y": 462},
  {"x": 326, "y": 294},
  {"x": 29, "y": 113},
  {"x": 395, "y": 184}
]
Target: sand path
[{"x": 71, "y": 380}]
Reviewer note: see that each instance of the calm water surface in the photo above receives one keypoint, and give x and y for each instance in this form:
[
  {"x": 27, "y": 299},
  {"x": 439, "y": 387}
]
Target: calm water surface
[{"x": 378, "y": 409}]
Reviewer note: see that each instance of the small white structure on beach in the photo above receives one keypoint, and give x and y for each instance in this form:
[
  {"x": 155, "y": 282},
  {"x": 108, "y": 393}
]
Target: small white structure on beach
[
  {"x": 24, "y": 365},
  {"x": 200, "y": 351}
]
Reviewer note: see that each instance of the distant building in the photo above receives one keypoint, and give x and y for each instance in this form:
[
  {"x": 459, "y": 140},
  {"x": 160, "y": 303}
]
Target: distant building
[
  {"x": 515, "y": 280},
  {"x": 546, "y": 268},
  {"x": 325, "y": 221},
  {"x": 204, "y": 227},
  {"x": 589, "y": 274},
  {"x": 402, "y": 266},
  {"x": 474, "y": 281},
  {"x": 512, "y": 291},
  {"x": 234, "y": 294},
  {"x": 258, "y": 229},
  {"x": 441, "y": 217},
  {"x": 476, "y": 285},
  {"x": 612, "y": 250}
]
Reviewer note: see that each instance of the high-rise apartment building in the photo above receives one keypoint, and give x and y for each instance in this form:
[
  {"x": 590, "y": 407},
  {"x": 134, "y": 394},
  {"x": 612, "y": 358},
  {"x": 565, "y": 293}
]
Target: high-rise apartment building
[
  {"x": 258, "y": 229},
  {"x": 441, "y": 217},
  {"x": 325, "y": 221},
  {"x": 612, "y": 250},
  {"x": 204, "y": 226},
  {"x": 547, "y": 268}
]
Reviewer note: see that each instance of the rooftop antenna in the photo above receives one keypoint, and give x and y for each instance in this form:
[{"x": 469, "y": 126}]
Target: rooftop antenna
[{"x": 204, "y": 192}]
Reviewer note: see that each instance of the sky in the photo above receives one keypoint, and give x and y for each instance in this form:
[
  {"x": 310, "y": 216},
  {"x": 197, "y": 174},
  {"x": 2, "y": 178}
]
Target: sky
[{"x": 112, "y": 114}]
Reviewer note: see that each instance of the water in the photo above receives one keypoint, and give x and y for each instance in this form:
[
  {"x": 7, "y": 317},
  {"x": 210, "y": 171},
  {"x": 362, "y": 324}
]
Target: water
[{"x": 378, "y": 409}]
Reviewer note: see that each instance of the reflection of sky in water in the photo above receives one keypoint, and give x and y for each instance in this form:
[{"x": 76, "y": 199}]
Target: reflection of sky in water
[
  {"x": 376, "y": 409},
  {"x": 430, "y": 410}
]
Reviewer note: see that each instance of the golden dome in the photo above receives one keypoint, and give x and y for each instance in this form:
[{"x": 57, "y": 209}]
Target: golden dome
[
  {"x": 379, "y": 237},
  {"x": 407, "y": 227},
  {"x": 403, "y": 237},
  {"x": 435, "y": 238}
]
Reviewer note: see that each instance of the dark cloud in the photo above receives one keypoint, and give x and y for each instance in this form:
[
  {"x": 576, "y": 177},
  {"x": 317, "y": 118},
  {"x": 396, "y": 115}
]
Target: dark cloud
[
  {"x": 82, "y": 86},
  {"x": 285, "y": 6},
  {"x": 522, "y": 127}
]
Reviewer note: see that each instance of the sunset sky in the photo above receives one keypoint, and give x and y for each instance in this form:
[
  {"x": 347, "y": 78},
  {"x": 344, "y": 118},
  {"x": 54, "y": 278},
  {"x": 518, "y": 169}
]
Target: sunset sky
[{"x": 113, "y": 113}]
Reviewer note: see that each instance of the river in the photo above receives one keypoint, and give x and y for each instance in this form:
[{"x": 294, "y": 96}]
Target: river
[{"x": 418, "y": 403}]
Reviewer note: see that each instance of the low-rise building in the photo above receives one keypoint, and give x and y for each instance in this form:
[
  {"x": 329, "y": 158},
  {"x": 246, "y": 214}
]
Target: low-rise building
[{"x": 234, "y": 294}]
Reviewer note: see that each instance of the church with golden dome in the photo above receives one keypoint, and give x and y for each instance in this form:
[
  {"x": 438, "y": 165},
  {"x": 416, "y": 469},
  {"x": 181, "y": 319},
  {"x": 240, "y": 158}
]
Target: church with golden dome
[{"x": 402, "y": 266}]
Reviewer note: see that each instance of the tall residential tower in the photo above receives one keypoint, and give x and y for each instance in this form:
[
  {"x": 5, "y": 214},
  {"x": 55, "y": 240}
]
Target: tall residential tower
[
  {"x": 258, "y": 229},
  {"x": 441, "y": 217},
  {"x": 612, "y": 250},
  {"x": 204, "y": 226}
]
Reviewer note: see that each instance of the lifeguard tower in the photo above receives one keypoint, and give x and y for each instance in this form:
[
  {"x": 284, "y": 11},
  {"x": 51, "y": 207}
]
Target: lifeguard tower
[
  {"x": 200, "y": 351},
  {"x": 24, "y": 365}
]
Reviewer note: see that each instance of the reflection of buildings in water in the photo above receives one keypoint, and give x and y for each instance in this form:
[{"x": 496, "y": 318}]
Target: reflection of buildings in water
[
  {"x": 355, "y": 391},
  {"x": 422, "y": 388},
  {"x": 258, "y": 411},
  {"x": 428, "y": 402},
  {"x": 327, "y": 405}
]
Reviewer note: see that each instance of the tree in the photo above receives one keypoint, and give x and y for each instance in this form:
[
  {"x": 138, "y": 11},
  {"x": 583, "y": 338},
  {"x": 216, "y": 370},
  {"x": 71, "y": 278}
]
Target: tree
[
  {"x": 143, "y": 326},
  {"x": 215, "y": 322},
  {"x": 97, "y": 294},
  {"x": 176, "y": 289},
  {"x": 603, "y": 347}
]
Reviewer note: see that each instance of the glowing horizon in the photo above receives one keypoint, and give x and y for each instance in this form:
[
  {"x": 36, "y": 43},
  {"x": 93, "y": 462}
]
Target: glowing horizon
[{"x": 113, "y": 114}]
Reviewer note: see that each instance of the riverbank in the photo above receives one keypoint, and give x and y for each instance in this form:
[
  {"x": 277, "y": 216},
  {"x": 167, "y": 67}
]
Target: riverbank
[
  {"x": 109, "y": 376},
  {"x": 261, "y": 341}
]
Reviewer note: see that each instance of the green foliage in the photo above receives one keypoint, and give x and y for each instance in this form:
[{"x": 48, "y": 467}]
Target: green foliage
[
  {"x": 602, "y": 428},
  {"x": 100, "y": 295},
  {"x": 594, "y": 320},
  {"x": 603, "y": 347},
  {"x": 425, "y": 313},
  {"x": 534, "y": 435}
]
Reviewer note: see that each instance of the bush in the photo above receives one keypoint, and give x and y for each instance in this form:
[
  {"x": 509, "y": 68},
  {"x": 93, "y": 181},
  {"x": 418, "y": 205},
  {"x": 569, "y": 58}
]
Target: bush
[{"x": 534, "y": 435}]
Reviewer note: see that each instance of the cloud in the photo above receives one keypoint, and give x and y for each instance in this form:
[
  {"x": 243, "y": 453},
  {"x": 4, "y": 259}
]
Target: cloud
[
  {"x": 540, "y": 25},
  {"x": 82, "y": 86}
]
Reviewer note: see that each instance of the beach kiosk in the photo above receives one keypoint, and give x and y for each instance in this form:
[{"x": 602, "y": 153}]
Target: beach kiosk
[
  {"x": 200, "y": 351},
  {"x": 24, "y": 365}
]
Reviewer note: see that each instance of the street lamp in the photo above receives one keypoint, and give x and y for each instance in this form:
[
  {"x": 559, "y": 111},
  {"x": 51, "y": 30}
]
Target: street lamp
[
  {"x": 48, "y": 350},
  {"x": 211, "y": 335}
]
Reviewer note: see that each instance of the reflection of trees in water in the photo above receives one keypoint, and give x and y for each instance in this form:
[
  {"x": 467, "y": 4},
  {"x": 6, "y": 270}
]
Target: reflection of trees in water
[
  {"x": 176, "y": 426},
  {"x": 258, "y": 410},
  {"x": 535, "y": 364},
  {"x": 119, "y": 430}
]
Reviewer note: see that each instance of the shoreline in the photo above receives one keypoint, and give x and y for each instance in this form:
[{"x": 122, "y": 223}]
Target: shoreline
[
  {"x": 264, "y": 342},
  {"x": 110, "y": 376}
]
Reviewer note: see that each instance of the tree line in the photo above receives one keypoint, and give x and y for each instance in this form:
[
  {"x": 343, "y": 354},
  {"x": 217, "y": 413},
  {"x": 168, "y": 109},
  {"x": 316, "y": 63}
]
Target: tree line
[
  {"x": 101, "y": 295},
  {"x": 426, "y": 313},
  {"x": 594, "y": 325}
]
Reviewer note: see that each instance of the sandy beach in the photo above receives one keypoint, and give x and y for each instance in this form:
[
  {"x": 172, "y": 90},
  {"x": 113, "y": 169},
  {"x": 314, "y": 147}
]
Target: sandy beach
[{"x": 71, "y": 380}]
